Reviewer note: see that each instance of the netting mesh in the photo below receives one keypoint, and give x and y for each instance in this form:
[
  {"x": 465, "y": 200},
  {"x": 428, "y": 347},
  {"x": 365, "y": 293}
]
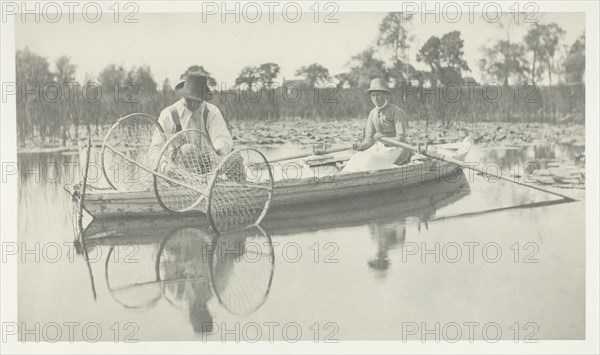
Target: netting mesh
[
  {"x": 240, "y": 191},
  {"x": 186, "y": 173},
  {"x": 185, "y": 164},
  {"x": 182, "y": 267},
  {"x": 242, "y": 269},
  {"x": 130, "y": 276},
  {"x": 131, "y": 143}
]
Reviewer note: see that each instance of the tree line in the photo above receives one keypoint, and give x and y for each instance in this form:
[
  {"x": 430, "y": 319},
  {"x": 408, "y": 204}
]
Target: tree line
[{"x": 51, "y": 106}]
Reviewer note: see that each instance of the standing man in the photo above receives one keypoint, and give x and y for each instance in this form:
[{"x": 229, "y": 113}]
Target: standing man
[{"x": 385, "y": 120}]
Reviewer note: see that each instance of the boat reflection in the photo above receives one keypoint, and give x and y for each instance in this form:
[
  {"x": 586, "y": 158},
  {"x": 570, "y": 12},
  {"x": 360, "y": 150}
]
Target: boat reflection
[
  {"x": 413, "y": 203},
  {"x": 187, "y": 268},
  {"x": 183, "y": 264},
  {"x": 386, "y": 214},
  {"x": 390, "y": 233}
]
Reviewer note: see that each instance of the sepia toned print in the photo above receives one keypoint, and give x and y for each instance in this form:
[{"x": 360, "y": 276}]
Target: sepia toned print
[{"x": 301, "y": 174}]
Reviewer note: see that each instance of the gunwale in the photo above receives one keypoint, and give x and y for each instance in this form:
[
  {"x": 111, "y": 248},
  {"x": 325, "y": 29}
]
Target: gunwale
[{"x": 114, "y": 204}]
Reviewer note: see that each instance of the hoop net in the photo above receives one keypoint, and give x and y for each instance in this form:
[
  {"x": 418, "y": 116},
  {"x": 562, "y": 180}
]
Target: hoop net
[
  {"x": 130, "y": 277},
  {"x": 184, "y": 166},
  {"x": 182, "y": 267},
  {"x": 242, "y": 269},
  {"x": 240, "y": 190},
  {"x": 186, "y": 173},
  {"x": 132, "y": 142}
]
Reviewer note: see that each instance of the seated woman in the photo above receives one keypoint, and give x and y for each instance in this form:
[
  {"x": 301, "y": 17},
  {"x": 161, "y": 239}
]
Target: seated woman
[{"x": 385, "y": 120}]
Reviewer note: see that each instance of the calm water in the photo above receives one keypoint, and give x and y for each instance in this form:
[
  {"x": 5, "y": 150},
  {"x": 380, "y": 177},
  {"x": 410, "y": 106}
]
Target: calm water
[{"x": 386, "y": 266}]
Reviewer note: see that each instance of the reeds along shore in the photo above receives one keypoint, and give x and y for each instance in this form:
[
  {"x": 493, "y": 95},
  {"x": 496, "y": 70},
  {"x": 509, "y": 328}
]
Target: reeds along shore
[{"x": 45, "y": 118}]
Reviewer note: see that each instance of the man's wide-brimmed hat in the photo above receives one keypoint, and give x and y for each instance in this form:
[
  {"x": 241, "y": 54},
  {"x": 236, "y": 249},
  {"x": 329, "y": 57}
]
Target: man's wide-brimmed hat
[
  {"x": 378, "y": 84},
  {"x": 195, "y": 86}
]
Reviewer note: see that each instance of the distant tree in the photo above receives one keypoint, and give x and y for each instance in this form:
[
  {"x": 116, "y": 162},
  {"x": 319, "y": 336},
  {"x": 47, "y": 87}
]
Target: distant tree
[
  {"x": 143, "y": 81},
  {"x": 32, "y": 68},
  {"x": 248, "y": 76},
  {"x": 403, "y": 72},
  {"x": 112, "y": 76},
  {"x": 264, "y": 73},
  {"x": 533, "y": 41},
  {"x": 112, "y": 80},
  {"x": 505, "y": 61},
  {"x": 342, "y": 79},
  {"x": 444, "y": 56},
  {"x": 451, "y": 48},
  {"x": 313, "y": 73},
  {"x": 431, "y": 54},
  {"x": 267, "y": 72},
  {"x": 199, "y": 69},
  {"x": 542, "y": 40},
  {"x": 395, "y": 35},
  {"x": 166, "y": 86},
  {"x": 552, "y": 35},
  {"x": 364, "y": 67},
  {"x": 32, "y": 71},
  {"x": 65, "y": 71},
  {"x": 575, "y": 61}
]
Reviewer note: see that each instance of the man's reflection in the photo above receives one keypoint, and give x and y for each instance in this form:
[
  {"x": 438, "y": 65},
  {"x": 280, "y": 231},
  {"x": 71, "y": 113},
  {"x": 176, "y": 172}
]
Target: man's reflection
[
  {"x": 191, "y": 266},
  {"x": 183, "y": 269}
]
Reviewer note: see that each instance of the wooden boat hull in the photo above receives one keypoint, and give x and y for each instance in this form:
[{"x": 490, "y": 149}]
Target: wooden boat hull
[
  {"x": 323, "y": 185},
  {"x": 420, "y": 202}
]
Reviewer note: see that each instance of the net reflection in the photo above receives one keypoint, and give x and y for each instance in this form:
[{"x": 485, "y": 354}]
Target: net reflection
[{"x": 189, "y": 267}]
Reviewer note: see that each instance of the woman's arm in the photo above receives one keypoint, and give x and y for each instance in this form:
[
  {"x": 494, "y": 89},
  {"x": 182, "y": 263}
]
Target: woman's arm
[{"x": 369, "y": 135}]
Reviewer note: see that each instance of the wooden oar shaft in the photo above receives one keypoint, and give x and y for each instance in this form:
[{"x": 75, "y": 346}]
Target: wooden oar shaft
[
  {"x": 303, "y": 155},
  {"x": 437, "y": 156}
]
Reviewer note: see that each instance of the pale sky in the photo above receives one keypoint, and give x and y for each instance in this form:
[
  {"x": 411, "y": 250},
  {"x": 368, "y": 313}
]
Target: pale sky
[{"x": 171, "y": 42}]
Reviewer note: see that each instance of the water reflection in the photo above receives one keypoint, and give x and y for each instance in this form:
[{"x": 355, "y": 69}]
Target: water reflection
[
  {"x": 386, "y": 236},
  {"x": 391, "y": 206},
  {"x": 187, "y": 268},
  {"x": 177, "y": 262},
  {"x": 190, "y": 289},
  {"x": 390, "y": 233},
  {"x": 541, "y": 155}
]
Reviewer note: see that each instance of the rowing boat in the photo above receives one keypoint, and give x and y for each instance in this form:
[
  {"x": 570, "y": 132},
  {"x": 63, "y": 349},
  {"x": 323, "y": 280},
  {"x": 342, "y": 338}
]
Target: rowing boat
[
  {"x": 420, "y": 203},
  {"x": 306, "y": 184}
]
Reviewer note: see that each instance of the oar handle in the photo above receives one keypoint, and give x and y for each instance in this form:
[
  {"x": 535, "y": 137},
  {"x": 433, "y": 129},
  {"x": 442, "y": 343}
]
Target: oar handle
[
  {"x": 316, "y": 152},
  {"x": 437, "y": 156}
]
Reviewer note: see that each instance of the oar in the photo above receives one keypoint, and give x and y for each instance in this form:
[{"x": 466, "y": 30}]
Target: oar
[
  {"x": 315, "y": 152},
  {"x": 437, "y": 156}
]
